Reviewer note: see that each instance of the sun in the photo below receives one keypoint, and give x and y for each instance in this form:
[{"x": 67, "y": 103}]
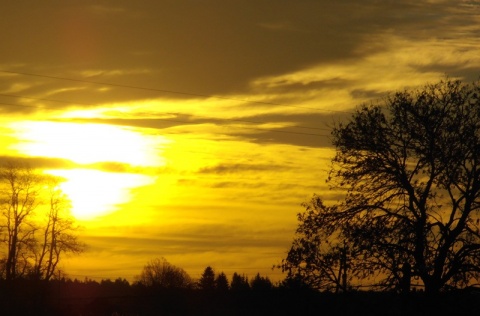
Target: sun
[
  {"x": 88, "y": 143},
  {"x": 90, "y": 147},
  {"x": 94, "y": 193}
]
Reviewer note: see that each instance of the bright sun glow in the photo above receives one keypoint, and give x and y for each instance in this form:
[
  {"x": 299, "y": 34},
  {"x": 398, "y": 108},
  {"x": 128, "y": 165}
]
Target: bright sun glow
[
  {"x": 92, "y": 192},
  {"x": 95, "y": 193},
  {"x": 88, "y": 143}
]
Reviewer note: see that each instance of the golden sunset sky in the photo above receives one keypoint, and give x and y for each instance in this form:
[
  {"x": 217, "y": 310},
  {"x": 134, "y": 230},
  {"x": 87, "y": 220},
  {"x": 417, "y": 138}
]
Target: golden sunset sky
[{"x": 194, "y": 130}]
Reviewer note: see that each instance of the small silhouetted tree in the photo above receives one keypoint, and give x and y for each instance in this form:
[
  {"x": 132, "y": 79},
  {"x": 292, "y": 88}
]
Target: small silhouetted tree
[
  {"x": 239, "y": 283},
  {"x": 316, "y": 259},
  {"x": 159, "y": 272},
  {"x": 259, "y": 283},
  {"x": 410, "y": 171},
  {"x": 295, "y": 282},
  {"x": 207, "y": 280},
  {"x": 221, "y": 282}
]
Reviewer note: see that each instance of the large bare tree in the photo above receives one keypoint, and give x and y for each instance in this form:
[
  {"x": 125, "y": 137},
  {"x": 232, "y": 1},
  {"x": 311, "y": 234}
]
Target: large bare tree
[{"x": 410, "y": 171}]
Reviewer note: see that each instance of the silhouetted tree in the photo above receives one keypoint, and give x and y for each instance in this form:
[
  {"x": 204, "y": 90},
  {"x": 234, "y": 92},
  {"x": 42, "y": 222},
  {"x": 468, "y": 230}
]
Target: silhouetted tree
[
  {"x": 259, "y": 283},
  {"x": 19, "y": 198},
  {"x": 33, "y": 247},
  {"x": 57, "y": 233},
  {"x": 410, "y": 170},
  {"x": 159, "y": 272},
  {"x": 295, "y": 282},
  {"x": 207, "y": 280},
  {"x": 239, "y": 282},
  {"x": 221, "y": 282},
  {"x": 315, "y": 258}
]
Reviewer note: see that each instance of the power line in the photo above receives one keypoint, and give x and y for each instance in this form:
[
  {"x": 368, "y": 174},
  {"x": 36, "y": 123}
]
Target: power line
[
  {"x": 43, "y": 99},
  {"x": 164, "y": 90}
]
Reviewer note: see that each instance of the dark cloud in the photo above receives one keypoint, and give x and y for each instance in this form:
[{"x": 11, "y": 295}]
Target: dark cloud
[
  {"x": 466, "y": 72},
  {"x": 368, "y": 94},
  {"x": 273, "y": 137},
  {"x": 38, "y": 162},
  {"x": 119, "y": 167},
  {"x": 212, "y": 47},
  {"x": 240, "y": 168},
  {"x": 59, "y": 163},
  {"x": 282, "y": 87}
]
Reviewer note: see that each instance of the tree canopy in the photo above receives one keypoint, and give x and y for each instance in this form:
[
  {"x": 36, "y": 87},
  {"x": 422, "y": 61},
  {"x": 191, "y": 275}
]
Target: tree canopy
[
  {"x": 207, "y": 280},
  {"x": 221, "y": 282},
  {"x": 161, "y": 273},
  {"x": 409, "y": 169}
]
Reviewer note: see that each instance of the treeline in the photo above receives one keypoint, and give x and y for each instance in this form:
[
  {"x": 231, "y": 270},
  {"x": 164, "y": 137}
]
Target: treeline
[
  {"x": 212, "y": 294},
  {"x": 120, "y": 297},
  {"x": 162, "y": 274}
]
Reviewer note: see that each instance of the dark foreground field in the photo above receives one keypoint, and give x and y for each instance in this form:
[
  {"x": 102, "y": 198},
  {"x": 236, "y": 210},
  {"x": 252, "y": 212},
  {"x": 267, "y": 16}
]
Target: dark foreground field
[{"x": 92, "y": 299}]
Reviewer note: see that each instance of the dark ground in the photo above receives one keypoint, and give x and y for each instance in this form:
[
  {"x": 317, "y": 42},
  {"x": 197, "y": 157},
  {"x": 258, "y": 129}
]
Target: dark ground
[{"x": 119, "y": 298}]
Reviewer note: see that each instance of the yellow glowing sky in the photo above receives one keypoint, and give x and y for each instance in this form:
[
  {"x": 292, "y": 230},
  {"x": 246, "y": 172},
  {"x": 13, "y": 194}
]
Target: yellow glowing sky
[
  {"x": 194, "y": 131},
  {"x": 93, "y": 192},
  {"x": 87, "y": 143}
]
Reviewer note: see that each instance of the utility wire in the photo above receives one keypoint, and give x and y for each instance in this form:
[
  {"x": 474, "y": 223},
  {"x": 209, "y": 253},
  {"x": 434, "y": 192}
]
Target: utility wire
[
  {"x": 42, "y": 99},
  {"x": 164, "y": 90}
]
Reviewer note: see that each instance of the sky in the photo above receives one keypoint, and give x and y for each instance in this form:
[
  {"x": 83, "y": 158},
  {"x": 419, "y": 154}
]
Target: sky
[{"x": 194, "y": 130}]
